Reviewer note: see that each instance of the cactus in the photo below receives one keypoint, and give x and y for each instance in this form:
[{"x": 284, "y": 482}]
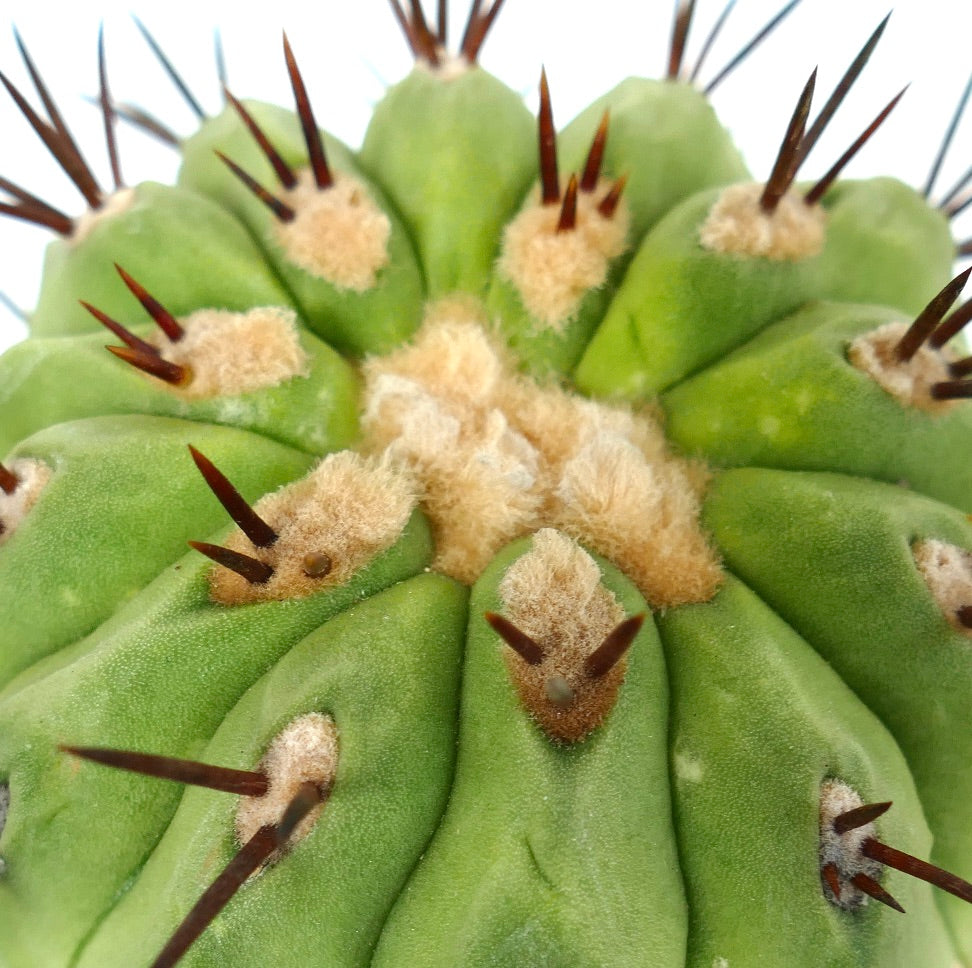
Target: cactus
[{"x": 580, "y": 566}]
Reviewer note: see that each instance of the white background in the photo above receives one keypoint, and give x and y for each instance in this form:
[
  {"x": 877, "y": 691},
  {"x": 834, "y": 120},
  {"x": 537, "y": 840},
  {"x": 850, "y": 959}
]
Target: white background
[{"x": 349, "y": 50}]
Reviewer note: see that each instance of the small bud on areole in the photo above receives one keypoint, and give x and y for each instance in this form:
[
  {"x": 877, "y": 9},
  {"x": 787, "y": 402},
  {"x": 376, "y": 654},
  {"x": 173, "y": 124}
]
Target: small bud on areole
[
  {"x": 347, "y": 510},
  {"x": 559, "y": 692},
  {"x": 317, "y": 564}
]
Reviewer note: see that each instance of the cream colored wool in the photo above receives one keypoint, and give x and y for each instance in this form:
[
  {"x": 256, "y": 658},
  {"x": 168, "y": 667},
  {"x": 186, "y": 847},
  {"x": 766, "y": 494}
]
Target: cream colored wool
[
  {"x": 873, "y": 353},
  {"x": 305, "y": 751},
  {"x": 454, "y": 357},
  {"x": 554, "y": 594},
  {"x": 338, "y": 233},
  {"x": 497, "y": 456},
  {"x": 643, "y": 516},
  {"x": 230, "y": 353},
  {"x": 552, "y": 270},
  {"x": 737, "y": 225},
  {"x": 449, "y": 68},
  {"x": 32, "y": 477},
  {"x": 478, "y": 476},
  {"x": 349, "y": 508},
  {"x": 114, "y": 204},
  {"x": 947, "y": 571}
]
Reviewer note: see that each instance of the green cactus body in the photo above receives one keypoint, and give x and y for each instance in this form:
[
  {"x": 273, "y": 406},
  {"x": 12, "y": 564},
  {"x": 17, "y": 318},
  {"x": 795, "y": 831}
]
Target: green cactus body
[
  {"x": 484, "y": 161},
  {"x": 676, "y": 286},
  {"x": 173, "y": 624},
  {"x": 392, "y": 784},
  {"x": 33, "y": 372},
  {"x": 355, "y": 316},
  {"x": 539, "y": 862},
  {"x": 216, "y": 264},
  {"x": 671, "y": 123},
  {"x": 909, "y": 632},
  {"x": 798, "y": 386},
  {"x": 600, "y": 567},
  {"x": 133, "y": 538},
  {"x": 798, "y": 714}
]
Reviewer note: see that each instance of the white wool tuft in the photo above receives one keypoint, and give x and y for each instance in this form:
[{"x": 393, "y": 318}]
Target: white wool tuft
[
  {"x": 305, "y": 751},
  {"x": 738, "y": 225},
  {"x": 230, "y": 353},
  {"x": 910, "y": 383}
]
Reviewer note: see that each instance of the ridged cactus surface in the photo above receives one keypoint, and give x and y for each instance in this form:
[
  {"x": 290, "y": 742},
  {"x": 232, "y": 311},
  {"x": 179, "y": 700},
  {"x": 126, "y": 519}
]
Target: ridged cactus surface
[{"x": 581, "y": 559}]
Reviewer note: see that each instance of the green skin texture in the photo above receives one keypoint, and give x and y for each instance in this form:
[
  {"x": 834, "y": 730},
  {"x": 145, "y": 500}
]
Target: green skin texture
[
  {"x": 357, "y": 323},
  {"x": 100, "y": 865},
  {"x": 209, "y": 261},
  {"x": 103, "y": 468},
  {"x": 681, "y": 306},
  {"x": 478, "y": 168},
  {"x": 540, "y": 859},
  {"x": 392, "y": 783},
  {"x": 798, "y": 404},
  {"x": 317, "y": 413},
  {"x": 812, "y": 531},
  {"x": 758, "y": 722},
  {"x": 666, "y": 122},
  {"x": 219, "y": 652}
]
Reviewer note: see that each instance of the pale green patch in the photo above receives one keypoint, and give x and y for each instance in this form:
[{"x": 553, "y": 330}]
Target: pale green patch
[{"x": 688, "y": 769}]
